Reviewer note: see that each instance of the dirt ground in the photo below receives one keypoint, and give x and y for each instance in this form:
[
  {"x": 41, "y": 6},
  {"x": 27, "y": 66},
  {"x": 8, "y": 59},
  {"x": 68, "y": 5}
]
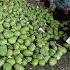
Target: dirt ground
[{"x": 63, "y": 64}]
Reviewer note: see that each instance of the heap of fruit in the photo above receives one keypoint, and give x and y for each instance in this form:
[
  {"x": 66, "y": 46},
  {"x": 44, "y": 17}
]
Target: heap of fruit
[{"x": 28, "y": 34}]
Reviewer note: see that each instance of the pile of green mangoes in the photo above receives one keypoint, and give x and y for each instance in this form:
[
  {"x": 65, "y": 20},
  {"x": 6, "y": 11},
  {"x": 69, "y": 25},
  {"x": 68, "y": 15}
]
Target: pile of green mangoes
[{"x": 28, "y": 34}]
